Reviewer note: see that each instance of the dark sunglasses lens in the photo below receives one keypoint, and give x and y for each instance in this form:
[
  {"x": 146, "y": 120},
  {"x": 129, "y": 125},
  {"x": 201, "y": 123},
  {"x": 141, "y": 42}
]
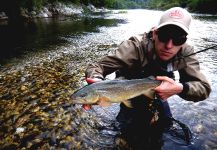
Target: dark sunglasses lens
[
  {"x": 162, "y": 37},
  {"x": 177, "y": 40}
]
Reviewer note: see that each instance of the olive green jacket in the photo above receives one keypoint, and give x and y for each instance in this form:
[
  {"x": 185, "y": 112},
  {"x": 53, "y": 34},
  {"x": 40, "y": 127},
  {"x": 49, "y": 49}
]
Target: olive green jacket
[{"x": 136, "y": 58}]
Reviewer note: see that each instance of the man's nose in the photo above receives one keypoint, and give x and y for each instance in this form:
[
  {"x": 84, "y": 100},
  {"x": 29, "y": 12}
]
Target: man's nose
[{"x": 169, "y": 44}]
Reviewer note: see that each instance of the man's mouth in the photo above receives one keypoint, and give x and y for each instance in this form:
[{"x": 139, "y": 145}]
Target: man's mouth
[{"x": 166, "y": 53}]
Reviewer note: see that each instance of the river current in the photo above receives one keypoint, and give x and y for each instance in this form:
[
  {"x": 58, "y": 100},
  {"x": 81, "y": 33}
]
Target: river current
[{"x": 65, "y": 46}]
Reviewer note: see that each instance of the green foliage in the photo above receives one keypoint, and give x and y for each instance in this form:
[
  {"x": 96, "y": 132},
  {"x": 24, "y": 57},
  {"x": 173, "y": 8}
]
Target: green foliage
[
  {"x": 125, "y": 4},
  {"x": 206, "y": 6},
  {"x": 163, "y": 4},
  {"x": 33, "y": 4},
  {"x": 183, "y": 3}
]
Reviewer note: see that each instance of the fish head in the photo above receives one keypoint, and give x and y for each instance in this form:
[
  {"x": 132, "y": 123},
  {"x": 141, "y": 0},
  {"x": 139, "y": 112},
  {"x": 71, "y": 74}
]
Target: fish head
[{"x": 85, "y": 97}]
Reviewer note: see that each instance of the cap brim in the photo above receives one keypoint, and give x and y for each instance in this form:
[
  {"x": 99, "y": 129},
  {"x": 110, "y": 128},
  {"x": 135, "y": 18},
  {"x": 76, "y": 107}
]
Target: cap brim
[{"x": 174, "y": 23}]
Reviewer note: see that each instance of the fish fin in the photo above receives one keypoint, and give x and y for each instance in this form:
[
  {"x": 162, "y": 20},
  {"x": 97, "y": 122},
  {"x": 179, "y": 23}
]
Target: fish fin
[
  {"x": 151, "y": 77},
  {"x": 150, "y": 94},
  {"x": 104, "y": 102},
  {"x": 128, "y": 103}
]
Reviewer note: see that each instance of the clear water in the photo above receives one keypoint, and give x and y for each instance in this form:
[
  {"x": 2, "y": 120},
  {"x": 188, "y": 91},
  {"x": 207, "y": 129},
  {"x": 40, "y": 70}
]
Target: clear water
[{"x": 87, "y": 39}]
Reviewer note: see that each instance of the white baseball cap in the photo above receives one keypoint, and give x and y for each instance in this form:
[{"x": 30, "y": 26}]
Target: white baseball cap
[{"x": 176, "y": 16}]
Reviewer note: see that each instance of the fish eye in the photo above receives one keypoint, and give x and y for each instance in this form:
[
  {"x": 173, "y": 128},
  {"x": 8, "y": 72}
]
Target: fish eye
[{"x": 83, "y": 95}]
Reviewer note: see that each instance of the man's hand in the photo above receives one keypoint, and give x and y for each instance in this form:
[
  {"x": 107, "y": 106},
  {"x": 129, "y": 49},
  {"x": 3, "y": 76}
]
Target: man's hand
[
  {"x": 168, "y": 87},
  {"x": 90, "y": 81}
]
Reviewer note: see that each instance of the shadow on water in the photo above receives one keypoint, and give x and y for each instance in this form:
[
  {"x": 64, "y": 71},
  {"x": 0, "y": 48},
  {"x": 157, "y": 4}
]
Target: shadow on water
[
  {"x": 40, "y": 34},
  {"x": 205, "y": 17}
]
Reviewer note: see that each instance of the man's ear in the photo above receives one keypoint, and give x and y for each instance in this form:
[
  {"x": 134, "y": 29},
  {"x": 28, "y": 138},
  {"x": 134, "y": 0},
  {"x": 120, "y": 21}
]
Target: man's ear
[{"x": 154, "y": 33}]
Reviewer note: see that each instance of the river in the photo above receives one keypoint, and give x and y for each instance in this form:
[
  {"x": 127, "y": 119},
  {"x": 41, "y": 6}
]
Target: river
[{"x": 44, "y": 61}]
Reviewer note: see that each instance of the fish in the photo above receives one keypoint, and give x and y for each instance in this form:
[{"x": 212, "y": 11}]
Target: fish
[{"x": 115, "y": 91}]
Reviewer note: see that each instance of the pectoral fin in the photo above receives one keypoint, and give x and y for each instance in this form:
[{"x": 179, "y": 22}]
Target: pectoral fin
[
  {"x": 104, "y": 102},
  {"x": 150, "y": 94},
  {"x": 128, "y": 103}
]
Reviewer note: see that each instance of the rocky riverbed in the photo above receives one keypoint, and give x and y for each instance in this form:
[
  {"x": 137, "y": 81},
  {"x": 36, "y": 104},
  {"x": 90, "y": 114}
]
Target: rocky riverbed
[{"x": 35, "y": 101}]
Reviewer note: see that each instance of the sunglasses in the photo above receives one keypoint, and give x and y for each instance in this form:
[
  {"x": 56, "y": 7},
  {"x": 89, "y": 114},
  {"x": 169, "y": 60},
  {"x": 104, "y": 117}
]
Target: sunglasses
[{"x": 165, "y": 36}]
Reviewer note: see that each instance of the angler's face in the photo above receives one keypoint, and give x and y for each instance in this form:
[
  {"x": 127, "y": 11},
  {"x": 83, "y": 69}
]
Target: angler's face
[{"x": 168, "y": 40}]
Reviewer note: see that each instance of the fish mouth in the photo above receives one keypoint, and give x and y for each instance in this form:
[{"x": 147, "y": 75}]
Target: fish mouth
[{"x": 81, "y": 101}]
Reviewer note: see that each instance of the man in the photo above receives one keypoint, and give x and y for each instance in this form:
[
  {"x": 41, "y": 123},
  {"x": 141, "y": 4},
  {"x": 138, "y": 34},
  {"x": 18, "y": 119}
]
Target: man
[{"x": 157, "y": 53}]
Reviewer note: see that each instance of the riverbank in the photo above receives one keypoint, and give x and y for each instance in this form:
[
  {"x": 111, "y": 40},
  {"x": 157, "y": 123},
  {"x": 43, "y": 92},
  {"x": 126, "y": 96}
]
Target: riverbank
[{"x": 57, "y": 9}]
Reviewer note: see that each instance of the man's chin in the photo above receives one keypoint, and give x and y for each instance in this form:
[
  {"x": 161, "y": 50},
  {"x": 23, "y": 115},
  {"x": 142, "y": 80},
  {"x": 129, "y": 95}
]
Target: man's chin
[{"x": 164, "y": 58}]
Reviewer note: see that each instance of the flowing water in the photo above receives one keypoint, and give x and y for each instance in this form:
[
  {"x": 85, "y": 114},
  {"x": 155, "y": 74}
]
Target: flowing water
[{"x": 43, "y": 62}]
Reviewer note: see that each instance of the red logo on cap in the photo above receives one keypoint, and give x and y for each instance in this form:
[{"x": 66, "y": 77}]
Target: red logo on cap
[{"x": 176, "y": 14}]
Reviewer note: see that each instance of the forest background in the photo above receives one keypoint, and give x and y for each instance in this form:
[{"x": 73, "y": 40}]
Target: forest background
[
  {"x": 19, "y": 11},
  {"x": 200, "y": 6}
]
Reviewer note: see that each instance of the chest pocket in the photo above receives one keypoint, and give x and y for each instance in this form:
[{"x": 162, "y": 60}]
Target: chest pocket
[{"x": 154, "y": 68}]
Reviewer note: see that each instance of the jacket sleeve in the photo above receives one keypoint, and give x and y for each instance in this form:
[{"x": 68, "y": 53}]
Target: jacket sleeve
[
  {"x": 196, "y": 86},
  {"x": 124, "y": 57}
]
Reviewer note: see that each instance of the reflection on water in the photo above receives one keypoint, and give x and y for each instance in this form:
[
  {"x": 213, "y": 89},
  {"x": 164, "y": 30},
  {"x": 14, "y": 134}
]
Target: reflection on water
[
  {"x": 205, "y": 17},
  {"x": 35, "y": 109},
  {"x": 42, "y": 34}
]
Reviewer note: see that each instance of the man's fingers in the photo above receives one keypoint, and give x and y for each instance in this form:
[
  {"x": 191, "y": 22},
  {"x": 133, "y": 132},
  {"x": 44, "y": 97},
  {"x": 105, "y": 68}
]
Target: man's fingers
[
  {"x": 165, "y": 78},
  {"x": 162, "y": 78},
  {"x": 86, "y": 106},
  {"x": 92, "y": 80}
]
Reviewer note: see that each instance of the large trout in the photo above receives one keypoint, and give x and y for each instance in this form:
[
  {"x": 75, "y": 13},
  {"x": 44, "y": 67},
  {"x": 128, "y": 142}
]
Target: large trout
[{"x": 115, "y": 91}]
